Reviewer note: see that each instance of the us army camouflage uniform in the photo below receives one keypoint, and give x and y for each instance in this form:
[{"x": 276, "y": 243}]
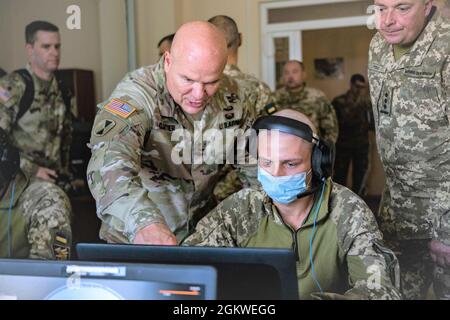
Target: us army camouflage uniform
[
  {"x": 43, "y": 136},
  {"x": 264, "y": 105},
  {"x": 263, "y": 95},
  {"x": 132, "y": 174},
  {"x": 40, "y": 224},
  {"x": 44, "y": 133},
  {"x": 349, "y": 258},
  {"x": 353, "y": 115},
  {"x": 315, "y": 105},
  {"x": 411, "y": 99}
]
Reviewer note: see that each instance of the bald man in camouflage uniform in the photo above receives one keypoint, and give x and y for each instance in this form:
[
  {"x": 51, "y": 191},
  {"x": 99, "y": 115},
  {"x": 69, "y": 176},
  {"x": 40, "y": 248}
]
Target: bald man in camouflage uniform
[
  {"x": 409, "y": 75},
  {"x": 43, "y": 136},
  {"x": 145, "y": 194},
  {"x": 350, "y": 260},
  {"x": 261, "y": 91},
  {"x": 310, "y": 101}
]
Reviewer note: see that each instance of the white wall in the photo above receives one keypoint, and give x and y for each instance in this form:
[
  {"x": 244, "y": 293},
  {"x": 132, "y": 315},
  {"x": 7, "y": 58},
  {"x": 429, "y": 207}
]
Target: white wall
[
  {"x": 113, "y": 44},
  {"x": 156, "y": 18}
]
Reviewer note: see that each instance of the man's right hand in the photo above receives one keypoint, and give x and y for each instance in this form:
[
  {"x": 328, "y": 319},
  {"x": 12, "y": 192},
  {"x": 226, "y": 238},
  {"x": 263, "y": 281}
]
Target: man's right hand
[
  {"x": 156, "y": 234},
  {"x": 47, "y": 174}
]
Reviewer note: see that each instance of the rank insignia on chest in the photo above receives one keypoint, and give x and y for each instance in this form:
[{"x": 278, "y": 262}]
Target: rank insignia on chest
[
  {"x": 385, "y": 102},
  {"x": 120, "y": 108},
  {"x": 229, "y": 116}
]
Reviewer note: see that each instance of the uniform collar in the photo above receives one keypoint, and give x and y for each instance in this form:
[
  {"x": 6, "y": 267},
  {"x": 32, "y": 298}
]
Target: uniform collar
[
  {"x": 423, "y": 43},
  {"x": 166, "y": 103},
  {"x": 39, "y": 82},
  {"x": 231, "y": 68},
  {"x": 298, "y": 90}
]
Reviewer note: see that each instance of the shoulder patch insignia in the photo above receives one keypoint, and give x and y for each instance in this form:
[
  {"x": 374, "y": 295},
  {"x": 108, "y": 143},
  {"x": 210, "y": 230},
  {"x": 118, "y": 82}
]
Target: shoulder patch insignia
[
  {"x": 4, "y": 94},
  {"x": 270, "y": 108},
  {"x": 103, "y": 127},
  {"x": 120, "y": 108}
]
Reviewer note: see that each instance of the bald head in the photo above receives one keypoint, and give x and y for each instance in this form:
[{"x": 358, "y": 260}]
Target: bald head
[
  {"x": 195, "y": 64},
  {"x": 295, "y": 115},
  {"x": 283, "y": 154},
  {"x": 199, "y": 39}
]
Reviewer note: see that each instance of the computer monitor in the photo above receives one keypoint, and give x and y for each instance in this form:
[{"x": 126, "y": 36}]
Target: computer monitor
[
  {"x": 75, "y": 280},
  {"x": 242, "y": 273}
]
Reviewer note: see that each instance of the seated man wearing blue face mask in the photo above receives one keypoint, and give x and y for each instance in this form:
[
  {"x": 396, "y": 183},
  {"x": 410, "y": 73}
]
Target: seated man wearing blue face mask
[{"x": 334, "y": 234}]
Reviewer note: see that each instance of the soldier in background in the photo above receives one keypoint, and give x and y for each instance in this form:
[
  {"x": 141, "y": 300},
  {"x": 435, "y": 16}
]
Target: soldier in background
[
  {"x": 145, "y": 193},
  {"x": 331, "y": 230},
  {"x": 165, "y": 44},
  {"x": 310, "y": 101},
  {"x": 261, "y": 91},
  {"x": 36, "y": 118},
  {"x": 354, "y": 114},
  {"x": 409, "y": 76}
]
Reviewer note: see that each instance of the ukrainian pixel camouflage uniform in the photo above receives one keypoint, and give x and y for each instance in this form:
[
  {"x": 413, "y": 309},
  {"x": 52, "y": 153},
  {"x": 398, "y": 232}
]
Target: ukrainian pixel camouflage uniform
[
  {"x": 131, "y": 173},
  {"x": 313, "y": 103},
  {"x": 43, "y": 136},
  {"x": 347, "y": 249},
  {"x": 264, "y": 105},
  {"x": 353, "y": 115},
  {"x": 411, "y": 99},
  {"x": 40, "y": 221}
]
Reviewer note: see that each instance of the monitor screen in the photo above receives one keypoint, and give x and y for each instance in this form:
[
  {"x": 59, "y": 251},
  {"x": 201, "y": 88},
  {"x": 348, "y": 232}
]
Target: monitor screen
[
  {"x": 51, "y": 280},
  {"x": 242, "y": 273}
]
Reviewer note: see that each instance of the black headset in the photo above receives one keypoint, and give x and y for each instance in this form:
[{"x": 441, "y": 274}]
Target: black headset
[{"x": 322, "y": 159}]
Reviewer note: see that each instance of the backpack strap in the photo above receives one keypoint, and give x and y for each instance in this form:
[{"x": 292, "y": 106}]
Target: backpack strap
[{"x": 28, "y": 96}]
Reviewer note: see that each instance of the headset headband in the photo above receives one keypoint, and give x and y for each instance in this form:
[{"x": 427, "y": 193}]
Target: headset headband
[{"x": 286, "y": 125}]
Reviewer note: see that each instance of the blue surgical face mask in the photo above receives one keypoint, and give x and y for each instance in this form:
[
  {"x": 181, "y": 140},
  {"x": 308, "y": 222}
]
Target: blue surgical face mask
[{"x": 284, "y": 189}]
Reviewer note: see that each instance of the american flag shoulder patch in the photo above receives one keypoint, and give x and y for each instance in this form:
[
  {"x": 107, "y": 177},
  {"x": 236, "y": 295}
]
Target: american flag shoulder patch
[
  {"x": 120, "y": 108},
  {"x": 4, "y": 94}
]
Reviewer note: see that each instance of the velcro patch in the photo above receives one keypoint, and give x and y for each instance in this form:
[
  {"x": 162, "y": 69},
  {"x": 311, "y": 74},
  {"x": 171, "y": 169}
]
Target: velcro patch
[
  {"x": 120, "y": 108},
  {"x": 103, "y": 127},
  {"x": 4, "y": 94},
  {"x": 61, "y": 246},
  {"x": 270, "y": 108}
]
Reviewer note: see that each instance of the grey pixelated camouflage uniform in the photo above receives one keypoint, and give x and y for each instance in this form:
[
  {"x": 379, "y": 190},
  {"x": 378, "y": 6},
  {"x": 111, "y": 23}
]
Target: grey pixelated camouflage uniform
[
  {"x": 349, "y": 258},
  {"x": 264, "y": 101},
  {"x": 131, "y": 173},
  {"x": 314, "y": 104},
  {"x": 43, "y": 136},
  {"x": 411, "y": 99}
]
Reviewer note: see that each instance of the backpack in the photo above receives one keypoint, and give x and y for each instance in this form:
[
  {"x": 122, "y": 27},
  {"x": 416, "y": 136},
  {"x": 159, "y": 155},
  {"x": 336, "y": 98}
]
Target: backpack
[{"x": 28, "y": 96}]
